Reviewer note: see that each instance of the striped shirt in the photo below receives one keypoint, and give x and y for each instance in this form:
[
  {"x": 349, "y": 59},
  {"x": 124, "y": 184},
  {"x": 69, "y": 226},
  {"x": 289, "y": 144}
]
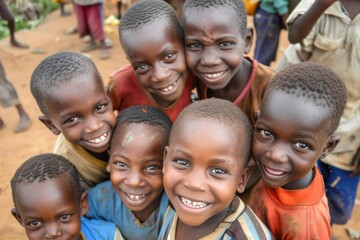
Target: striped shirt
[{"x": 241, "y": 224}]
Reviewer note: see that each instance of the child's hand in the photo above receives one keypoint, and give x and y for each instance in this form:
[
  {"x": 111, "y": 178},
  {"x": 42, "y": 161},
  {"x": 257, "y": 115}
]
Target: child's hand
[{"x": 356, "y": 162}]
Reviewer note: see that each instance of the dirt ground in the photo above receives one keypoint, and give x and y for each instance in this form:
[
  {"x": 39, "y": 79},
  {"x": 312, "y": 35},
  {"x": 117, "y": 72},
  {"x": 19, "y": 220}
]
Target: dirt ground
[{"x": 19, "y": 64}]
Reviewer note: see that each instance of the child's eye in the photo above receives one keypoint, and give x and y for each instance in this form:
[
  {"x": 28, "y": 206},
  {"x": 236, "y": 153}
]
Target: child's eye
[
  {"x": 265, "y": 133},
  {"x": 193, "y": 46},
  {"x": 226, "y": 44},
  {"x": 72, "y": 120},
  {"x": 301, "y": 145},
  {"x": 35, "y": 223},
  {"x": 120, "y": 164},
  {"x": 182, "y": 162},
  {"x": 141, "y": 68},
  {"x": 64, "y": 217},
  {"x": 218, "y": 171},
  {"x": 100, "y": 107},
  {"x": 169, "y": 56},
  {"x": 153, "y": 169}
]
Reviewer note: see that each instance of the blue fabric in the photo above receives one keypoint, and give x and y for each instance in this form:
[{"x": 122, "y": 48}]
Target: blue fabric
[
  {"x": 275, "y": 6},
  {"x": 268, "y": 28},
  {"x": 105, "y": 204},
  {"x": 340, "y": 190},
  {"x": 93, "y": 229}
]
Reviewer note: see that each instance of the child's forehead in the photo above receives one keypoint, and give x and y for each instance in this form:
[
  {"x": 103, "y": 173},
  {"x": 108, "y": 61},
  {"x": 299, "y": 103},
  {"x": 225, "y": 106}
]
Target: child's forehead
[{"x": 29, "y": 193}]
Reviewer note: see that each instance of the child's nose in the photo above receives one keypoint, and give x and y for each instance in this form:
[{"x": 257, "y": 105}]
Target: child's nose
[
  {"x": 161, "y": 73},
  {"x": 134, "y": 180},
  {"x": 53, "y": 230},
  {"x": 209, "y": 57},
  {"x": 195, "y": 181},
  {"x": 277, "y": 153},
  {"x": 93, "y": 124}
]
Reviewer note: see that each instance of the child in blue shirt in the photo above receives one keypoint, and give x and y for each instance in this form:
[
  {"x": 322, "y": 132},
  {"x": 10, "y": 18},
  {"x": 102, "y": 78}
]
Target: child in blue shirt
[
  {"x": 134, "y": 198},
  {"x": 47, "y": 198}
]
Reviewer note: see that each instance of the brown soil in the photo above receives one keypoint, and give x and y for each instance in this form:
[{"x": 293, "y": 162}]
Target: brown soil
[{"x": 15, "y": 148}]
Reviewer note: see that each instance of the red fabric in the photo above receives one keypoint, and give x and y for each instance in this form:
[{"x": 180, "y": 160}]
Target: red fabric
[
  {"x": 250, "y": 97},
  {"x": 89, "y": 20},
  {"x": 125, "y": 91},
  {"x": 294, "y": 214}
]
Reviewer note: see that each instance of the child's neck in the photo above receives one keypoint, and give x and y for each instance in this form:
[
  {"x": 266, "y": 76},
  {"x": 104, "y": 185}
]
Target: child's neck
[
  {"x": 302, "y": 182},
  {"x": 144, "y": 215},
  {"x": 184, "y": 231},
  {"x": 236, "y": 85},
  {"x": 103, "y": 156},
  {"x": 352, "y": 7}
]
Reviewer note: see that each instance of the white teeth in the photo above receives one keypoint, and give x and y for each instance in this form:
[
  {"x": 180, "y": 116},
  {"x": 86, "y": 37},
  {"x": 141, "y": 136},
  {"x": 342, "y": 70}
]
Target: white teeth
[
  {"x": 213, "y": 75},
  {"x": 135, "y": 197},
  {"x": 99, "y": 139},
  {"x": 168, "y": 88},
  {"x": 193, "y": 204}
]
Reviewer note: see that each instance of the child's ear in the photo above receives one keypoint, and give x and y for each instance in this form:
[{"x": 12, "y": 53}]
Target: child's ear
[
  {"x": 332, "y": 142},
  {"x": 84, "y": 206},
  {"x": 166, "y": 150},
  {"x": 16, "y": 215},
  {"x": 244, "y": 178},
  {"x": 249, "y": 36},
  {"x": 48, "y": 123}
]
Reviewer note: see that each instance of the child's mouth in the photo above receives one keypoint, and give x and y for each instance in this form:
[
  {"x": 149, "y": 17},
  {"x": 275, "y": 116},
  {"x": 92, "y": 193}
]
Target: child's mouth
[
  {"x": 193, "y": 204},
  {"x": 98, "y": 140},
  {"x": 170, "y": 87},
  {"x": 135, "y": 197}
]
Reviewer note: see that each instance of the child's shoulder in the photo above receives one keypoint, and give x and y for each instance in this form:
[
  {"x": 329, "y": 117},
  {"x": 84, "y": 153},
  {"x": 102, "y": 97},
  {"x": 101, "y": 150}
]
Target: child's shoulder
[
  {"x": 122, "y": 73},
  {"x": 245, "y": 223},
  {"x": 93, "y": 229}
]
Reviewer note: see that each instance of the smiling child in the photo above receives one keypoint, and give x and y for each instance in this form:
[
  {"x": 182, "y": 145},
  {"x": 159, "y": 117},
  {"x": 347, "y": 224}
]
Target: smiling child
[
  {"x": 300, "y": 112},
  {"x": 152, "y": 39},
  {"x": 134, "y": 198},
  {"x": 204, "y": 166},
  {"x": 216, "y": 39},
  {"x": 47, "y": 198},
  {"x": 71, "y": 96}
]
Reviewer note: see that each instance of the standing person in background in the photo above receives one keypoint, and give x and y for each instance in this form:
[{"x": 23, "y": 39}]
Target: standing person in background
[
  {"x": 270, "y": 17},
  {"x": 8, "y": 98},
  {"x": 328, "y": 31},
  {"x": 6, "y": 14},
  {"x": 89, "y": 14}
]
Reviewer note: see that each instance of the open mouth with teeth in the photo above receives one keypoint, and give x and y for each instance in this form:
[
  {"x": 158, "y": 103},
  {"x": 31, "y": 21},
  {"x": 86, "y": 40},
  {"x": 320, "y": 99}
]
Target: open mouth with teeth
[
  {"x": 193, "y": 204},
  {"x": 214, "y": 75},
  {"x": 273, "y": 172},
  {"x": 170, "y": 87},
  {"x": 98, "y": 140},
  {"x": 135, "y": 197}
]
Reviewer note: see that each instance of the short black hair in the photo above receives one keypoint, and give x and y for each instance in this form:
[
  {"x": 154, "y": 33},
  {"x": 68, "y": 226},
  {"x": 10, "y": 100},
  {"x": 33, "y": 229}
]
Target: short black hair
[
  {"x": 55, "y": 70},
  {"x": 316, "y": 83},
  {"x": 43, "y": 167},
  {"x": 237, "y": 5},
  {"x": 220, "y": 110},
  {"x": 144, "y": 114},
  {"x": 146, "y": 12}
]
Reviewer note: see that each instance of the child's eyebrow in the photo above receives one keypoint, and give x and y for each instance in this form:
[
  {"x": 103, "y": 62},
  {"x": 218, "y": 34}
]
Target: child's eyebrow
[
  {"x": 153, "y": 160},
  {"x": 216, "y": 161}
]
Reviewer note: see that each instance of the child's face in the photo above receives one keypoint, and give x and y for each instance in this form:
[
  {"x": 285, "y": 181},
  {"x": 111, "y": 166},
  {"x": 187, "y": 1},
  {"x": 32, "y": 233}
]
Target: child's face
[
  {"x": 82, "y": 111},
  {"x": 48, "y": 210},
  {"x": 136, "y": 159},
  {"x": 157, "y": 55},
  {"x": 214, "y": 45},
  {"x": 290, "y": 135},
  {"x": 204, "y": 167}
]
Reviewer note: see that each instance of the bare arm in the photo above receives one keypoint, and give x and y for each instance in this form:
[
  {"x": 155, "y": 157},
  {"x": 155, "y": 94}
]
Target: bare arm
[
  {"x": 302, "y": 25},
  {"x": 356, "y": 162}
]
